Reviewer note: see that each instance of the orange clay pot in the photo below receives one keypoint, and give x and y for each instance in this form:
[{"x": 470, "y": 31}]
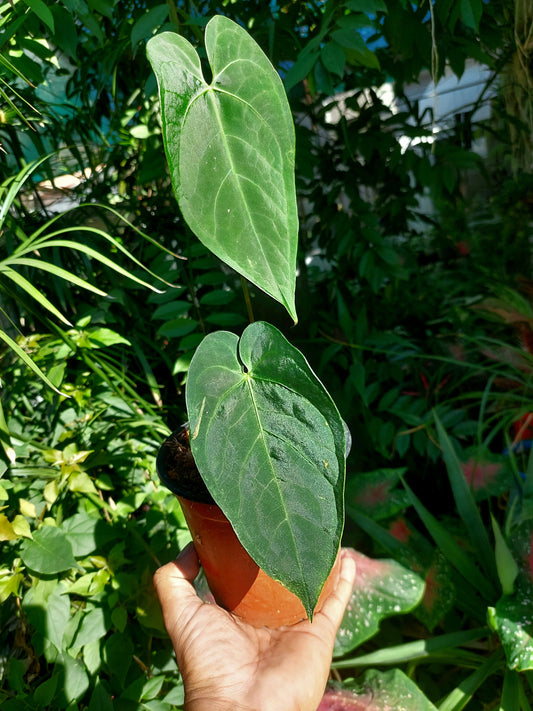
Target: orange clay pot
[{"x": 236, "y": 581}]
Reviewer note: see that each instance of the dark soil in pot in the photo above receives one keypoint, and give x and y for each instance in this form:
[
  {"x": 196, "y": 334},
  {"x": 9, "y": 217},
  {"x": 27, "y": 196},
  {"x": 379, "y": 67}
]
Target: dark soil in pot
[{"x": 177, "y": 469}]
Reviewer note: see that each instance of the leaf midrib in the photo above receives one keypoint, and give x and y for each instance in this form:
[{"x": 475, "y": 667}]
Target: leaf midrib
[
  {"x": 238, "y": 182},
  {"x": 261, "y": 429},
  {"x": 248, "y": 382}
]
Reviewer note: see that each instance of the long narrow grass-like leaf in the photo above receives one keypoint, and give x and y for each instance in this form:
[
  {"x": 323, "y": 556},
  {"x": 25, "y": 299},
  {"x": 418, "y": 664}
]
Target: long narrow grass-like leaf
[
  {"x": 90, "y": 252},
  {"x": 528, "y": 484},
  {"x": 28, "y": 361},
  {"x": 28, "y": 287},
  {"x": 113, "y": 379},
  {"x": 56, "y": 271},
  {"x": 21, "y": 98},
  {"x": 466, "y": 504},
  {"x": 482, "y": 407},
  {"x": 8, "y": 318},
  {"x": 149, "y": 373},
  {"x": 110, "y": 263},
  {"x": 5, "y": 438},
  {"x": 451, "y": 550},
  {"x": 510, "y": 700},
  {"x": 468, "y": 599},
  {"x": 13, "y": 106},
  {"x": 421, "y": 649},
  {"x": 377, "y": 532},
  {"x": 510, "y": 451},
  {"x": 524, "y": 703},
  {"x": 37, "y": 238},
  {"x": 11, "y": 67},
  {"x": 529, "y": 677},
  {"x": 13, "y": 185},
  {"x": 462, "y": 694},
  {"x": 505, "y": 562},
  {"x": 105, "y": 208},
  {"x": 33, "y": 472}
]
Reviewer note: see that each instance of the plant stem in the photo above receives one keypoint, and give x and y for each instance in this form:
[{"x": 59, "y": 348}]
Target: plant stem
[{"x": 247, "y": 299}]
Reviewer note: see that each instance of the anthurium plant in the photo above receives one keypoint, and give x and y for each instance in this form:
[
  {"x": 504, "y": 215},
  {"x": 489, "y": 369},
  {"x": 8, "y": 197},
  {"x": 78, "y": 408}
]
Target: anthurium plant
[{"x": 266, "y": 436}]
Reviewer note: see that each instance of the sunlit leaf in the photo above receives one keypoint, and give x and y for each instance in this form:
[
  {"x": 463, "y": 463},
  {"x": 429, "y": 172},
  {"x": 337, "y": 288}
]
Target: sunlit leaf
[
  {"x": 101, "y": 337},
  {"x": 93, "y": 626},
  {"x": 382, "y": 588},
  {"x": 27, "y": 360},
  {"x": 57, "y": 271},
  {"x": 230, "y": 147},
  {"x": 7, "y": 532},
  {"x": 42, "y": 11},
  {"x": 37, "y": 295}
]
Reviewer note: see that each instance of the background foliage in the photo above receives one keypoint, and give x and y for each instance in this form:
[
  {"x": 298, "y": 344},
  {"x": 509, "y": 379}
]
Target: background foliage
[{"x": 414, "y": 298}]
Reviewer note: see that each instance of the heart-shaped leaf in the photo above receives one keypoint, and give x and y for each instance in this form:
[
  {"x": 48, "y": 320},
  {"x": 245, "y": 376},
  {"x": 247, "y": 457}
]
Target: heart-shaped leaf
[
  {"x": 230, "y": 147},
  {"x": 269, "y": 444}
]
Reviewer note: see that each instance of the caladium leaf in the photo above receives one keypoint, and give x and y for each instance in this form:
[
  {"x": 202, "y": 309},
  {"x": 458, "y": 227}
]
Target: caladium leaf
[
  {"x": 270, "y": 444},
  {"x": 440, "y": 592},
  {"x": 376, "y": 690},
  {"x": 377, "y": 494},
  {"x": 512, "y": 619},
  {"x": 487, "y": 474},
  {"x": 512, "y": 616},
  {"x": 230, "y": 147},
  {"x": 382, "y": 588}
]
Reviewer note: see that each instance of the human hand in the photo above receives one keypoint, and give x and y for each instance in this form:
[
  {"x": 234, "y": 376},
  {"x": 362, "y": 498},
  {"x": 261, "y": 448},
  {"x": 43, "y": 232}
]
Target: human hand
[{"x": 228, "y": 665}]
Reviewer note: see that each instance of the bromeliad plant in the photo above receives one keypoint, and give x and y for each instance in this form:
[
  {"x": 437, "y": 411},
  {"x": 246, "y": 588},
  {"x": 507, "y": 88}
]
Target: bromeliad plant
[{"x": 266, "y": 436}]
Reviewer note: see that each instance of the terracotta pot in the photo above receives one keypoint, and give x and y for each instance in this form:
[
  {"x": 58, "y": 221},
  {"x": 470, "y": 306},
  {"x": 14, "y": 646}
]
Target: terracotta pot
[{"x": 236, "y": 581}]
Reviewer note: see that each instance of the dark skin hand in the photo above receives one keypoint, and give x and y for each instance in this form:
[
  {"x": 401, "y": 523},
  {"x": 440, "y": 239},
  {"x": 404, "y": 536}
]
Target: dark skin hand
[{"x": 228, "y": 665}]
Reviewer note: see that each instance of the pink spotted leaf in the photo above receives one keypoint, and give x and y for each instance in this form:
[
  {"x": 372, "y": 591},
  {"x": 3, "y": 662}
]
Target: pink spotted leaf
[
  {"x": 376, "y": 493},
  {"x": 487, "y": 474},
  {"x": 382, "y": 588},
  {"x": 377, "y": 690}
]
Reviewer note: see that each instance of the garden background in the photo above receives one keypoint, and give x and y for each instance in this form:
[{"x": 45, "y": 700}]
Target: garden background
[{"x": 415, "y": 303}]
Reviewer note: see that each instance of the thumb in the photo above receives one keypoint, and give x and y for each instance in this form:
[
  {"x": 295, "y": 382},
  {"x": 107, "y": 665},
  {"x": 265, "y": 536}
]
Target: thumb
[
  {"x": 173, "y": 583},
  {"x": 334, "y": 606}
]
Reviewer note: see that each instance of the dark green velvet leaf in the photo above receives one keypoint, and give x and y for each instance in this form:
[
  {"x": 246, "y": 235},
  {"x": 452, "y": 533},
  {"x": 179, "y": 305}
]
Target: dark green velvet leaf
[
  {"x": 270, "y": 443},
  {"x": 230, "y": 147}
]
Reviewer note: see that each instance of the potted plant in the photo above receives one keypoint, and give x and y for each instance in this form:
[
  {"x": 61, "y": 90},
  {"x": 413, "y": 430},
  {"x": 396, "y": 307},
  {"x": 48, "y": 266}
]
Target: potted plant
[{"x": 265, "y": 435}]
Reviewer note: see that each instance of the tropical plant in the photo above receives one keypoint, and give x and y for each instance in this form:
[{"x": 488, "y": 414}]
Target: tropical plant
[
  {"x": 402, "y": 313},
  {"x": 276, "y": 429}
]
